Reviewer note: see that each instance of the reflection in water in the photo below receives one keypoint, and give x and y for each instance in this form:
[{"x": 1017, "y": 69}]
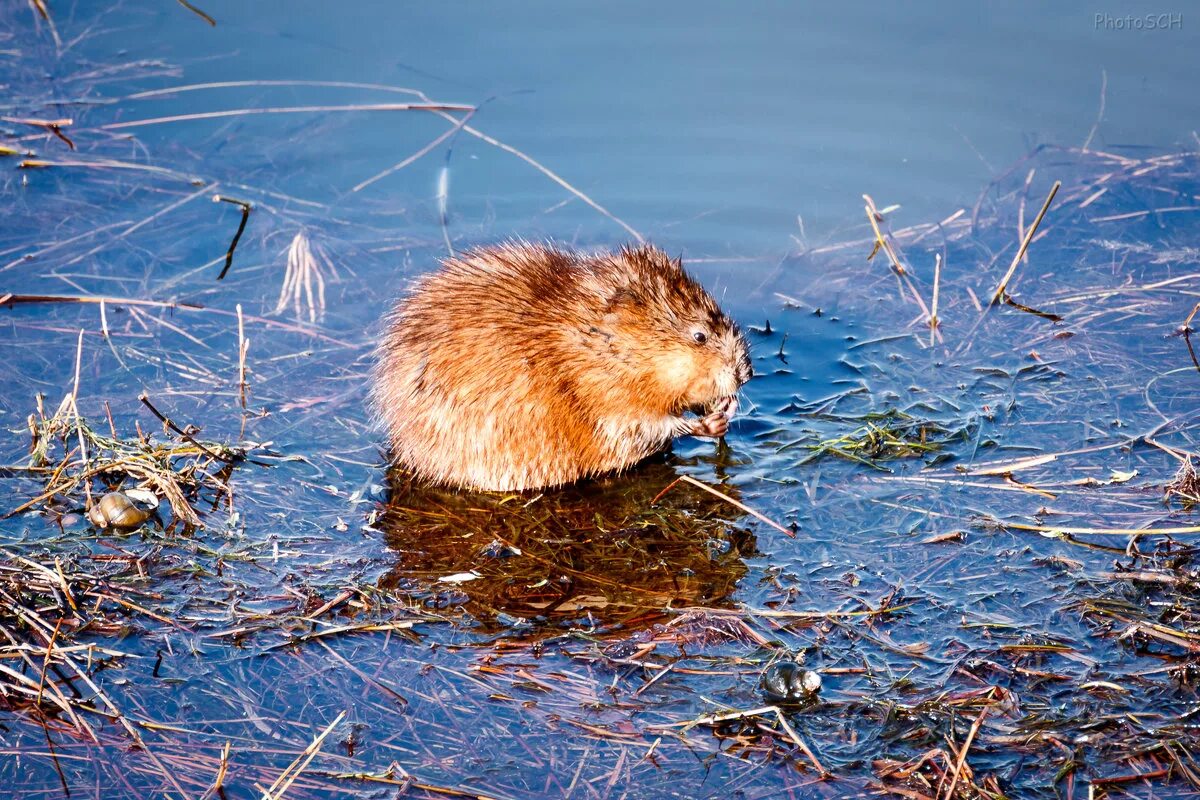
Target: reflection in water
[{"x": 598, "y": 553}]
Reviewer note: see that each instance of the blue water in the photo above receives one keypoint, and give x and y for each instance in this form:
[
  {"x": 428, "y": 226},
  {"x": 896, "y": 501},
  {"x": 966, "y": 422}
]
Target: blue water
[
  {"x": 741, "y": 137},
  {"x": 710, "y": 127}
]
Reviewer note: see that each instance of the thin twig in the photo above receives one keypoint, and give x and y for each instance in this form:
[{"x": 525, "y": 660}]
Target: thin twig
[
  {"x": 197, "y": 12},
  {"x": 726, "y": 498},
  {"x": 187, "y": 436},
  {"x": 236, "y": 236},
  {"x": 417, "y": 155},
  {"x": 1003, "y": 285},
  {"x": 219, "y": 781}
]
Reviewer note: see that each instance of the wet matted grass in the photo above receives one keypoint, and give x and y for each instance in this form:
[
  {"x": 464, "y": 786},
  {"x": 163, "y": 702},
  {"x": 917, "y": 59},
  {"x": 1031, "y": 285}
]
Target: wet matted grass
[{"x": 993, "y": 569}]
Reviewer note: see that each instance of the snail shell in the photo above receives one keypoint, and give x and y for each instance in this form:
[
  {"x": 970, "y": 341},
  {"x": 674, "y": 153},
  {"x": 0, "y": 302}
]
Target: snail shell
[
  {"x": 116, "y": 510},
  {"x": 788, "y": 682}
]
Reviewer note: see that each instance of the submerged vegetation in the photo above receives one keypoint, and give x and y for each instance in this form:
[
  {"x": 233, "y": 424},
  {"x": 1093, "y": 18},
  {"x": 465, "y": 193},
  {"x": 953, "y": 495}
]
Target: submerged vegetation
[{"x": 993, "y": 495}]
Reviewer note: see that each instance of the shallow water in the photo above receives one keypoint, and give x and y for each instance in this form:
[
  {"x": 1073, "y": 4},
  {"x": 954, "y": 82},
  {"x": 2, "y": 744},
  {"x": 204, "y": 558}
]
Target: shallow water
[{"x": 594, "y": 623}]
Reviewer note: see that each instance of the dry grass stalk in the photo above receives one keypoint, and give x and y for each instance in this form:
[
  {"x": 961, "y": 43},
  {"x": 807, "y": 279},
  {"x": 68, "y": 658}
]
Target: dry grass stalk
[
  {"x": 289, "y": 775},
  {"x": 197, "y": 12},
  {"x": 1056, "y": 530},
  {"x": 727, "y": 499},
  {"x": 962, "y": 753},
  {"x": 39, "y": 6},
  {"x": 934, "y": 322},
  {"x": 243, "y": 112},
  {"x": 219, "y": 781},
  {"x": 304, "y": 282},
  {"x": 243, "y": 348},
  {"x": 1002, "y": 287},
  {"x": 881, "y": 241}
]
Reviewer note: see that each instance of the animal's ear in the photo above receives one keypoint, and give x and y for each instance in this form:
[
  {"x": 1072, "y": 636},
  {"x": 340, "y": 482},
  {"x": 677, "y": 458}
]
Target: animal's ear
[{"x": 620, "y": 296}]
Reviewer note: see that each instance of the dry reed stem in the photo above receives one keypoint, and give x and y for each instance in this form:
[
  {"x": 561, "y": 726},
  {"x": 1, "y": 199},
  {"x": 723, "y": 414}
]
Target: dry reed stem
[
  {"x": 219, "y": 781},
  {"x": 14, "y": 299},
  {"x": 727, "y": 499},
  {"x": 933, "y": 309},
  {"x": 430, "y": 105},
  {"x": 197, "y": 12},
  {"x": 289, "y": 775},
  {"x": 46, "y": 661},
  {"x": 417, "y": 155},
  {"x": 243, "y": 349},
  {"x": 74, "y": 398},
  {"x": 242, "y": 112},
  {"x": 39, "y": 6},
  {"x": 109, "y": 163},
  {"x": 1003, "y": 285},
  {"x": 1059, "y": 529},
  {"x": 962, "y": 753},
  {"x": 1187, "y": 323},
  {"x": 881, "y": 242}
]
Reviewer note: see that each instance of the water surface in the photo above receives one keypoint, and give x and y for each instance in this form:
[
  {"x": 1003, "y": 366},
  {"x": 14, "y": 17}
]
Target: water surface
[{"x": 930, "y": 590}]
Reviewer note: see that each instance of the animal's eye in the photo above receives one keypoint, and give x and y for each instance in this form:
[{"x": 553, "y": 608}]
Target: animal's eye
[{"x": 700, "y": 336}]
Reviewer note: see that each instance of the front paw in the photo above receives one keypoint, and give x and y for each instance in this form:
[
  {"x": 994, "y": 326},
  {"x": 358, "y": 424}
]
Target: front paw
[{"x": 715, "y": 425}]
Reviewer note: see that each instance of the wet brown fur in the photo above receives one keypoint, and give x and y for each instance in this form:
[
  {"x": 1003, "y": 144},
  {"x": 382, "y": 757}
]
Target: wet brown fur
[{"x": 522, "y": 366}]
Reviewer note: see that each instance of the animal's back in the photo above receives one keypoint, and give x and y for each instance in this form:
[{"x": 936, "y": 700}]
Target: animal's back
[{"x": 463, "y": 366}]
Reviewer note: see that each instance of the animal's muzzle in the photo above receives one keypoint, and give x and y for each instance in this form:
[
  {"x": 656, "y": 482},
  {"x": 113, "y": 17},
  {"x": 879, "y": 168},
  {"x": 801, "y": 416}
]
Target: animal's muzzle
[{"x": 743, "y": 370}]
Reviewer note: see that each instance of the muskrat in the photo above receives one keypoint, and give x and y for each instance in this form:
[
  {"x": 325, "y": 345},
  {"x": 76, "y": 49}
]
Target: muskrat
[{"x": 522, "y": 366}]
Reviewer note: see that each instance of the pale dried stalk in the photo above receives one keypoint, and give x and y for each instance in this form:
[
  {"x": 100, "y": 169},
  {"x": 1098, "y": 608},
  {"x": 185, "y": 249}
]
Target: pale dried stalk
[
  {"x": 243, "y": 348},
  {"x": 289, "y": 775},
  {"x": 303, "y": 283}
]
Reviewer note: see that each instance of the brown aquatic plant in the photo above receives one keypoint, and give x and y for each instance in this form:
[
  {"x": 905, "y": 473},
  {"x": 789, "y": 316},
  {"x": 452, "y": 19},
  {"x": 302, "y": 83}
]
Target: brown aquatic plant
[{"x": 1186, "y": 483}]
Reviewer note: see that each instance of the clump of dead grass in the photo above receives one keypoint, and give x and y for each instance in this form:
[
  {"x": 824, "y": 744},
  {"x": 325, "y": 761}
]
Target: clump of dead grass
[
  {"x": 1186, "y": 484},
  {"x": 77, "y": 459}
]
